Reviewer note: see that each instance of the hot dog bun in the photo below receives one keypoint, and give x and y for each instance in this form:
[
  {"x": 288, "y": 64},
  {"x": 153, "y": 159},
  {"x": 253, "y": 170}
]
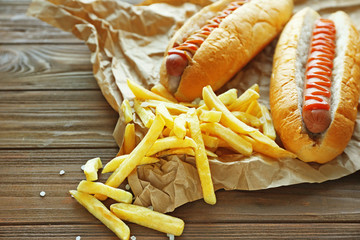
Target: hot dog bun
[
  {"x": 239, "y": 37},
  {"x": 286, "y": 88}
]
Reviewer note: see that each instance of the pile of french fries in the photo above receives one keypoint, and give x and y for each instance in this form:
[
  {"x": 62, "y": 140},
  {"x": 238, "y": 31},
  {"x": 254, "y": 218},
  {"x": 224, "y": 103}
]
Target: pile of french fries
[{"x": 240, "y": 124}]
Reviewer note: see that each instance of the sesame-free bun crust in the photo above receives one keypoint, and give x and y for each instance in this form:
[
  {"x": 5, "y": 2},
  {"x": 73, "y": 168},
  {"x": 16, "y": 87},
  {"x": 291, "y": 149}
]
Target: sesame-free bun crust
[
  {"x": 287, "y": 83},
  {"x": 239, "y": 37}
]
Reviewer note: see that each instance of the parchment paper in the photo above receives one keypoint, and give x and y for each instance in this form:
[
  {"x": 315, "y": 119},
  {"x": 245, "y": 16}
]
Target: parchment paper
[{"x": 128, "y": 41}]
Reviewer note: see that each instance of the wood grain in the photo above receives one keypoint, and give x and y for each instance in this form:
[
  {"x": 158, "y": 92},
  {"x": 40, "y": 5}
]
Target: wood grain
[
  {"x": 46, "y": 67},
  {"x": 46, "y": 119},
  {"x": 17, "y": 28},
  {"x": 192, "y": 231},
  {"x": 53, "y": 117}
]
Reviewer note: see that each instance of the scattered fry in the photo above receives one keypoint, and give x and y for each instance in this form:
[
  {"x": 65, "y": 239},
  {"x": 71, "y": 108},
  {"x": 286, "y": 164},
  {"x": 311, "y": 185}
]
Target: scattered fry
[
  {"x": 268, "y": 126},
  {"x": 148, "y": 218},
  {"x": 242, "y": 102},
  {"x": 137, "y": 154},
  {"x": 247, "y": 118},
  {"x": 91, "y": 168},
  {"x": 129, "y": 138},
  {"x": 210, "y": 116},
  {"x": 202, "y": 162},
  {"x": 142, "y": 93},
  {"x": 96, "y": 208},
  {"x": 162, "y": 110},
  {"x": 174, "y": 108},
  {"x": 227, "y": 118},
  {"x": 235, "y": 141},
  {"x": 146, "y": 115},
  {"x": 126, "y": 109},
  {"x": 115, "y": 162},
  {"x": 100, "y": 188},
  {"x": 170, "y": 142},
  {"x": 162, "y": 91}
]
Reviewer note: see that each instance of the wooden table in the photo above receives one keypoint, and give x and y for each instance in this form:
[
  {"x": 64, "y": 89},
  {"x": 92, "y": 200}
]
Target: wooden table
[{"x": 53, "y": 117}]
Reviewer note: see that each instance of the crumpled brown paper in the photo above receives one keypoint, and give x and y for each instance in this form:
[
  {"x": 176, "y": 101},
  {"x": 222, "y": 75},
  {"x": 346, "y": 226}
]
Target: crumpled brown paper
[{"x": 128, "y": 41}]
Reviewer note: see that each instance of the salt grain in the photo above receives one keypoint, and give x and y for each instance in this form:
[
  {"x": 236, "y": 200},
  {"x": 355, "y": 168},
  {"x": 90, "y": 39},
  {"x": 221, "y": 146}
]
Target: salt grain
[
  {"x": 171, "y": 236},
  {"x": 127, "y": 187},
  {"x": 78, "y": 238},
  {"x": 133, "y": 238},
  {"x": 62, "y": 172},
  {"x": 42, "y": 194}
]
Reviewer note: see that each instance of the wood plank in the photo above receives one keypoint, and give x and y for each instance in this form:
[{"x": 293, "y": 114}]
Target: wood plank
[
  {"x": 191, "y": 231},
  {"x": 52, "y": 119},
  {"x": 16, "y": 27},
  {"x": 46, "y": 66},
  {"x": 24, "y": 173}
]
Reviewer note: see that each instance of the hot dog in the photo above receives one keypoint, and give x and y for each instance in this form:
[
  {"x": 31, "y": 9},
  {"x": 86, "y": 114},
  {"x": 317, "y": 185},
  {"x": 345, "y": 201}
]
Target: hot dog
[
  {"x": 315, "y": 84},
  {"x": 215, "y": 43}
]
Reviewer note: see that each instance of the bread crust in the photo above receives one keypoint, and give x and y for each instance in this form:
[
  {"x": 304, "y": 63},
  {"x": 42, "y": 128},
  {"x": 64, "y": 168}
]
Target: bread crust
[
  {"x": 239, "y": 37},
  {"x": 285, "y": 100}
]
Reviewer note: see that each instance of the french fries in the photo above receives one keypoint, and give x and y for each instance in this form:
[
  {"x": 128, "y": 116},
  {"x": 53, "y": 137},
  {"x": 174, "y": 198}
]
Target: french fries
[
  {"x": 129, "y": 138},
  {"x": 234, "y": 140},
  {"x": 115, "y": 162},
  {"x": 180, "y": 126},
  {"x": 268, "y": 126},
  {"x": 170, "y": 142},
  {"x": 210, "y": 116},
  {"x": 142, "y": 93},
  {"x": 145, "y": 114},
  {"x": 201, "y": 129},
  {"x": 91, "y": 168},
  {"x": 202, "y": 162},
  {"x": 137, "y": 154},
  {"x": 162, "y": 91},
  {"x": 126, "y": 109},
  {"x": 100, "y": 188},
  {"x": 96, "y": 208},
  {"x": 148, "y": 218}
]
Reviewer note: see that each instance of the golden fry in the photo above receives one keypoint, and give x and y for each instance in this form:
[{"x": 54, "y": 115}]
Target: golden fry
[
  {"x": 210, "y": 141},
  {"x": 210, "y": 116},
  {"x": 227, "y": 118},
  {"x": 115, "y": 162},
  {"x": 91, "y": 168},
  {"x": 242, "y": 102},
  {"x": 141, "y": 93},
  {"x": 170, "y": 142},
  {"x": 268, "y": 126},
  {"x": 228, "y": 97},
  {"x": 202, "y": 162},
  {"x": 148, "y": 218},
  {"x": 254, "y": 108},
  {"x": 176, "y": 151},
  {"x": 162, "y": 110},
  {"x": 162, "y": 91},
  {"x": 96, "y": 208},
  {"x": 146, "y": 115},
  {"x": 248, "y": 119},
  {"x": 235, "y": 141},
  {"x": 271, "y": 151},
  {"x": 174, "y": 108},
  {"x": 135, "y": 157},
  {"x": 180, "y": 126},
  {"x": 255, "y": 87},
  {"x": 99, "y": 188},
  {"x": 126, "y": 109},
  {"x": 129, "y": 138}
]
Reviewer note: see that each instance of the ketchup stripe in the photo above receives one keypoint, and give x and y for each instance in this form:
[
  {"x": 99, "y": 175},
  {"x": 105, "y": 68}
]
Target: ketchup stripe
[
  {"x": 191, "y": 45},
  {"x": 319, "y": 66}
]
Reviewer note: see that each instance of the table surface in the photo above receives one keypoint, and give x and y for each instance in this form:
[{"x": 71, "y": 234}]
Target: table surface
[{"x": 53, "y": 117}]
